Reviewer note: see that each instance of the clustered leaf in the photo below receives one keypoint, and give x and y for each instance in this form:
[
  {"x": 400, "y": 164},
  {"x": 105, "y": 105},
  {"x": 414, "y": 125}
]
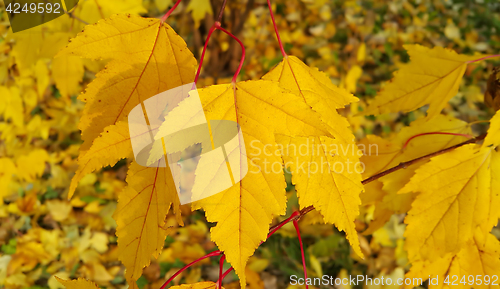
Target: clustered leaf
[
  {"x": 451, "y": 199},
  {"x": 432, "y": 77},
  {"x": 146, "y": 57}
]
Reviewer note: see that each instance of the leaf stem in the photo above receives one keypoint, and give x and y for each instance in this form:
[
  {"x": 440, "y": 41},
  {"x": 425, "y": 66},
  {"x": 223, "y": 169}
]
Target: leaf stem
[
  {"x": 214, "y": 253},
  {"x": 221, "y": 267},
  {"x": 276, "y": 29},
  {"x": 221, "y": 12},
  {"x": 296, "y": 225},
  {"x": 484, "y": 58},
  {"x": 436, "y": 132},
  {"x": 170, "y": 11},
  {"x": 242, "y": 50},
  {"x": 278, "y": 226},
  {"x": 227, "y": 272},
  {"x": 212, "y": 29}
]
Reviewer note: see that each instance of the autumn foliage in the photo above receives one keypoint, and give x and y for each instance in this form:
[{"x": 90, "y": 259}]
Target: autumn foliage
[{"x": 428, "y": 191}]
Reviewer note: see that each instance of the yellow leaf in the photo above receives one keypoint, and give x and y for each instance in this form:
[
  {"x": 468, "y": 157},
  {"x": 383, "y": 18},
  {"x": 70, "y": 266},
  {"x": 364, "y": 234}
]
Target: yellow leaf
[
  {"x": 352, "y": 77},
  {"x": 148, "y": 57},
  {"x": 80, "y": 283},
  {"x": 361, "y": 55},
  {"x": 42, "y": 76},
  {"x": 7, "y": 170},
  {"x": 67, "y": 72},
  {"x": 382, "y": 154},
  {"x": 245, "y": 210},
  {"x": 200, "y": 285},
  {"x": 432, "y": 77},
  {"x": 59, "y": 209},
  {"x": 479, "y": 258},
  {"x": 451, "y": 30},
  {"x": 92, "y": 11},
  {"x": 327, "y": 177},
  {"x": 27, "y": 48},
  {"x": 198, "y": 9},
  {"x": 282, "y": 113},
  {"x": 38, "y": 128},
  {"x": 458, "y": 192},
  {"x": 140, "y": 217},
  {"x": 317, "y": 90},
  {"x": 493, "y": 137},
  {"x": 162, "y": 5},
  {"x": 11, "y": 105},
  {"x": 32, "y": 165},
  {"x": 112, "y": 145}
]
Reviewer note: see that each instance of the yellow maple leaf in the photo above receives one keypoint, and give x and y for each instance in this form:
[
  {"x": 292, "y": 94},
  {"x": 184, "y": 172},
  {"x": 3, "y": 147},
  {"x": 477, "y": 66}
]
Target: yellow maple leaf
[
  {"x": 32, "y": 165},
  {"x": 479, "y": 259},
  {"x": 112, "y": 145},
  {"x": 351, "y": 79},
  {"x": 79, "y": 283},
  {"x": 432, "y": 77},
  {"x": 7, "y": 171},
  {"x": 160, "y": 62},
  {"x": 140, "y": 217},
  {"x": 162, "y": 5},
  {"x": 382, "y": 154},
  {"x": 67, "y": 73},
  {"x": 493, "y": 137},
  {"x": 198, "y": 9},
  {"x": 328, "y": 179},
  {"x": 92, "y": 11},
  {"x": 11, "y": 105},
  {"x": 263, "y": 109},
  {"x": 458, "y": 192},
  {"x": 42, "y": 76},
  {"x": 317, "y": 90}
]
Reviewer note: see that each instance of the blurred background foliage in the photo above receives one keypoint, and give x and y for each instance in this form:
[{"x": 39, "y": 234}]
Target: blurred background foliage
[{"x": 357, "y": 43}]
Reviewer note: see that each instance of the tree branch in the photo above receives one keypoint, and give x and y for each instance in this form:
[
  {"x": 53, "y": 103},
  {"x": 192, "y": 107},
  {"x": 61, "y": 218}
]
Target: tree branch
[
  {"x": 402, "y": 165},
  {"x": 221, "y": 12}
]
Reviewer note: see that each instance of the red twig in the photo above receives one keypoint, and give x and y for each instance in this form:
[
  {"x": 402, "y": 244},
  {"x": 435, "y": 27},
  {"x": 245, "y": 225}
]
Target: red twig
[
  {"x": 212, "y": 29},
  {"x": 227, "y": 272},
  {"x": 170, "y": 11},
  {"x": 221, "y": 266},
  {"x": 483, "y": 58},
  {"x": 242, "y": 50},
  {"x": 221, "y": 12},
  {"x": 276, "y": 228},
  {"x": 276, "y": 29},
  {"x": 296, "y": 225},
  {"x": 215, "y": 253},
  {"x": 437, "y": 132}
]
